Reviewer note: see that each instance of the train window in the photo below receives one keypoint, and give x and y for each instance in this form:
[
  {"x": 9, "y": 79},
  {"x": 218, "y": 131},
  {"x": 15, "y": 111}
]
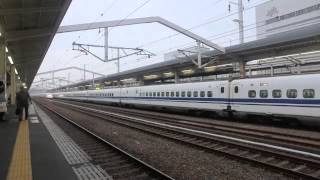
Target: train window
[
  {"x": 167, "y": 94},
  {"x": 202, "y": 93},
  {"x": 209, "y": 93},
  {"x": 162, "y": 94},
  {"x": 263, "y": 93},
  {"x": 195, "y": 93},
  {"x": 177, "y": 94},
  {"x": 183, "y": 94},
  {"x": 236, "y": 89},
  {"x": 308, "y": 93},
  {"x": 189, "y": 93},
  {"x": 276, "y": 93},
  {"x": 222, "y": 90},
  {"x": 158, "y": 93},
  {"x": 154, "y": 93},
  {"x": 292, "y": 93},
  {"x": 172, "y": 94},
  {"x": 252, "y": 94}
]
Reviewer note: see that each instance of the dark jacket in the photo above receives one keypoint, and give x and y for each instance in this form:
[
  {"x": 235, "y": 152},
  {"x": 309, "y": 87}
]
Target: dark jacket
[{"x": 22, "y": 98}]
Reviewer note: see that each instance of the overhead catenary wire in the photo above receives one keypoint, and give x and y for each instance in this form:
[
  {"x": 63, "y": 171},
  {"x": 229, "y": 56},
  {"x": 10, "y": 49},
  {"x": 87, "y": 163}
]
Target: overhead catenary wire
[
  {"x": 209, "y": 21},
  {"x": 128, "y": 15}
]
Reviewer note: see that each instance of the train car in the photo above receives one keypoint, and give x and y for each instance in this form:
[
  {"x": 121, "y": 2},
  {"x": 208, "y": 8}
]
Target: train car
[
  {"x": 293, "y": 98},
  {"x": 287, "y": 97},
  {"x": 105, "y": 96},
  {"x": 207, "y": 96}
]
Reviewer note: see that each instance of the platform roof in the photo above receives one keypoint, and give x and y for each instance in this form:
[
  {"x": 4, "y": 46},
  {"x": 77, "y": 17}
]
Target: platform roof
[
  {"x": 296, "y": 41},
  {"x": 28, "y": 27}
]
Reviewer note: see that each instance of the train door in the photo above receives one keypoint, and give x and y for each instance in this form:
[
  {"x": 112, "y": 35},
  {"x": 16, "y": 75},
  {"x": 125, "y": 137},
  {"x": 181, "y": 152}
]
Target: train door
[
  {"x": 235, "y": 88},
  {"x": 223, "y": 95}
]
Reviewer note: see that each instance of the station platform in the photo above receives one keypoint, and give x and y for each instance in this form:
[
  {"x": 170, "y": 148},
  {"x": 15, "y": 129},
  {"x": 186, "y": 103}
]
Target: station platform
[{"x": 37, "y": 149}]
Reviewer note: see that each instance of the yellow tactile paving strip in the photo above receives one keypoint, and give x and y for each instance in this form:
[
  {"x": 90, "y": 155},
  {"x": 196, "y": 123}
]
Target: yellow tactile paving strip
[{"x": 20, "y": 165}]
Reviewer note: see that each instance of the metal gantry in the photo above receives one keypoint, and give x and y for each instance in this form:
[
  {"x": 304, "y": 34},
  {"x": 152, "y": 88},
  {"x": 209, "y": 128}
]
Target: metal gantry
[
  {"x": 122, "y": 52},
  {"x": 124, "y": 22}
]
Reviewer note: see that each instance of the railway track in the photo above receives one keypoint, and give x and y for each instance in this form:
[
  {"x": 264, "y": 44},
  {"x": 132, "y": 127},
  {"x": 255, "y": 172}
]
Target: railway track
[
  {"x": 118, "y": 163},
  {"x": 285, "y": 160},
  {"x": 296, "y": 141}
]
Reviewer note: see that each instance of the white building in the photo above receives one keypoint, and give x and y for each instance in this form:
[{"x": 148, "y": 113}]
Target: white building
[{"x": 276, "y": 16}]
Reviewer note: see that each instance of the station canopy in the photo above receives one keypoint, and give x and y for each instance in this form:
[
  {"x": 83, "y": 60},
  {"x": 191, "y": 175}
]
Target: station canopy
[{"x": 28, "y": 27}]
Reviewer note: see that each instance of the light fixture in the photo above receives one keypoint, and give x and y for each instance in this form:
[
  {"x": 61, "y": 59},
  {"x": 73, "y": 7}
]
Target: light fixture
[
  {"x": 210, "y": 68},
  {"x": 10, "y": 59},
  {"x": 15, "y": 70},
  {"x": 19, "y": 77},
  {"x": 153, "y": 76},
  {"x": 187, "y": 71},
  {"x": 311, "y": 52},
  {"x": 168, "y": 74},
  {"x": 7, "y": 50}
]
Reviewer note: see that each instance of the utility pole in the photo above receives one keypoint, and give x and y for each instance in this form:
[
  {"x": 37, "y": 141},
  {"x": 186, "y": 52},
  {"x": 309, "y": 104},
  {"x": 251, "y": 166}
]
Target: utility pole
[
  {"x": 118, "y": 61},
  {"x": 242, "y": 64},
  {"x": 240, "y": 19},
  {"x": 240, "y": 14},
  {"x": 84, "y": 72}
]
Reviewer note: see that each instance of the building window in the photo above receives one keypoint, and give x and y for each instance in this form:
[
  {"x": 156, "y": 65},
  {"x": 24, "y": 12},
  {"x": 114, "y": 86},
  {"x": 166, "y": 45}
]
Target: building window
[
  {"x": 172, "y": 94},
  {"x": 209, "y": 93},
  {"x": 236, "y": 89},
  {"x": 167, "y": 94},
  {"x": 154, "y": 93},
  {"x": 183, "y": 94},
  {"x": 150, "y": 93},
  {"x": 308, "y": 93},
  {"x": 276, "y": 93},
  {"x": 252, "y": 94},
  {"x": 222, "y": 90},
  {"x": 195, "y": 93},
  {"x": 189, "y": 93},
  {"x": 177, "y": 94},
  {"x": 158, "y": 94},
  {"x": 202, "y": 93},
  {"x": 263, "y": 93},
  {"x": 292, "y": 93},
  {"x": 162, "y": 94}
]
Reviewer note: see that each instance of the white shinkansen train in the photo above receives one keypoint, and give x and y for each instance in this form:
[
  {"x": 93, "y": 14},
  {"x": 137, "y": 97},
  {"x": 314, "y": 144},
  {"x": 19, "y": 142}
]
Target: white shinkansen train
[{"x": 293, "y": 98}]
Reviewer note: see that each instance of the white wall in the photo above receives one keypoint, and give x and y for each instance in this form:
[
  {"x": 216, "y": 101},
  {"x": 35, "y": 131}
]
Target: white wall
[{"x": 274, "y": 8}]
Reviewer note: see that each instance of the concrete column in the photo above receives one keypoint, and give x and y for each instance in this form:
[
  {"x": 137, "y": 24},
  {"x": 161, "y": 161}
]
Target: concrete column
[
  {"x": 271, "y": 70},
  {"x": 298, "y": 68},
  {"x": 13, "y": 84},
  {"x": 176, "y": 77},
  {"x": 3, "y": 71},
  {"x": 140, "y": 80},
  {"x": 242, "y": 69}
]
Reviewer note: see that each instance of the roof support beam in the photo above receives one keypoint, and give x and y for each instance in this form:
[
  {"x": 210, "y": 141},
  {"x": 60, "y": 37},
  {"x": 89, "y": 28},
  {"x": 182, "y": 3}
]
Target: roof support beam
[
  {"x": 106, "y": 24},
  {"x": 27, "y": 34},
  {"x": 28, "y": 10}
]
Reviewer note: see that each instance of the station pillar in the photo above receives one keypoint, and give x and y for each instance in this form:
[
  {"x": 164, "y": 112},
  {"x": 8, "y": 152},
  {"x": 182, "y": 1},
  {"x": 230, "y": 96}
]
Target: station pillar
[
  {"x": 3, "y": 61},
  {"x": 242, "y": 69},
  {"x": 176, "y": 77},
  {"x": 13, "y": 84}
]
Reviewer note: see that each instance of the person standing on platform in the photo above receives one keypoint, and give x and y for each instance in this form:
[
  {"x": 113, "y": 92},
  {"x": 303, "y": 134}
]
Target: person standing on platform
[{"x": 22, "y": 100}]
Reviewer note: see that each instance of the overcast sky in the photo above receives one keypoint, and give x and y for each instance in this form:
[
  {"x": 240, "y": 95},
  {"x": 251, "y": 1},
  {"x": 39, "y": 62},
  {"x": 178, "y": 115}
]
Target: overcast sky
[{"x": 207, "y": 18}]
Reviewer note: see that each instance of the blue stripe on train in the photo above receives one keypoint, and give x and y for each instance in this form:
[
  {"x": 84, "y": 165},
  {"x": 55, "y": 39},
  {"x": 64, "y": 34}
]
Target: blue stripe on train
[{"x": 237, "y": 101}]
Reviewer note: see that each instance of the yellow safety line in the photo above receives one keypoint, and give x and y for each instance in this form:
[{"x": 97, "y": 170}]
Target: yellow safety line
[{"x": 20, "y": 165}]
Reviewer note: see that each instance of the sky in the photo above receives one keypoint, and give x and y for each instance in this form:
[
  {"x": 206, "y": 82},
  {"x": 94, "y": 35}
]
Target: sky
[{"x": 210, "y": 19}]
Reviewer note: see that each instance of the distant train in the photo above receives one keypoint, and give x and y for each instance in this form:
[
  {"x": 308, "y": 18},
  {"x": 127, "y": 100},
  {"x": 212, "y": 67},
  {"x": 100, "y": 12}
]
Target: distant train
[{"x": 293, "y": 98}]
